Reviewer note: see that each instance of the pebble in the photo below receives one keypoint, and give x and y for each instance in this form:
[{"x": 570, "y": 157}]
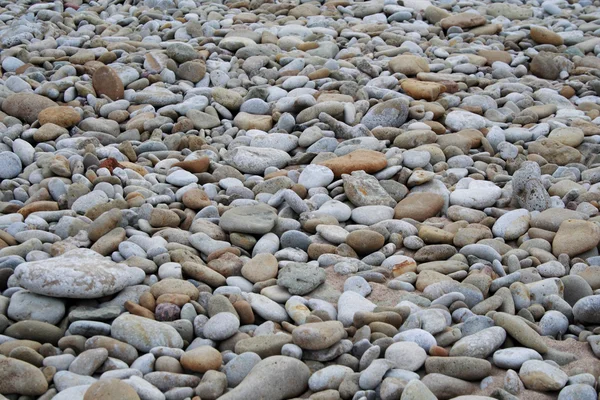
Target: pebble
[
  {"x": 514, "y": 358},
  {"x": 79, "y": 273},
  {"x": 406, "y": 355},
  {"x": 273, "y": 378},
  {"x": 221, "y": 326},
  {"x": 542, "y": 376},
  {"x": 480, "y": 344},
  {"x": 370, "y": 200},
  {"x": 318, "y": 335},
  {"x": 145, "y": 335}
]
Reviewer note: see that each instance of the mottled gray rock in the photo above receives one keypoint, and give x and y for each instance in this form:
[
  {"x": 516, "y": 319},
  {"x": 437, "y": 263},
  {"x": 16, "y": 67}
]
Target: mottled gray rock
[
  {"x": 79, "y": 274},
  {"x": 300, "y": 278}
]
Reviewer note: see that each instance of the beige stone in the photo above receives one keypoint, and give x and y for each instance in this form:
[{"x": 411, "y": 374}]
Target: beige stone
[
  {"x": 575, "y": 237},
  {"x": 201, "y": 359}
]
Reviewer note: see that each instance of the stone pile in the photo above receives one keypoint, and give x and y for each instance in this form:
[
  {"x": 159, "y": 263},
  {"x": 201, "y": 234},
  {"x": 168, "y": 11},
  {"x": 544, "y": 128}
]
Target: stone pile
[{"x": 264, "y": 199}]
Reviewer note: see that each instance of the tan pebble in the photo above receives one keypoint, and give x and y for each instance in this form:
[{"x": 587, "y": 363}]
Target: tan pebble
[
  {"x": 177, "y": 299},
  {"x": 136, "y": 309},
  {"x": 244, "y": 311},
  {"x": 202, "y": 359},
  {"x": 196, "y": 199},
  {"x": 168, "y": 364},
  {"x": 437, "y": 351},
  {"x": 106, "y": 82},
  {"x": 109, "y": 389}
]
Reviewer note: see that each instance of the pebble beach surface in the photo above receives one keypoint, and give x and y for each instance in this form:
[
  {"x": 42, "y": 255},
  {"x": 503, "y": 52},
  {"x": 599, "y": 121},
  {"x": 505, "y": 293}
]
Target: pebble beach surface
[{"x": 278, "y": 199}]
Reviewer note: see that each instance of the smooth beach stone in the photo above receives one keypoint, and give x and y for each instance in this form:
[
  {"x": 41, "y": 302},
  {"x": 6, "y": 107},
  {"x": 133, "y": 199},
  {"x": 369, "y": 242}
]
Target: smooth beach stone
[
  {"x": 79, "y": 273},
  {"x": 144, "y": 334}
]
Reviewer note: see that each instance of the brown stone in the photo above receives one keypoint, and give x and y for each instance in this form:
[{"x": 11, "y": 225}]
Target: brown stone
[
  {"x": 148, "y": 301},
  {"x": 38, "y": 206},
  {"x": 319, "y": 74},
  {"x": 160, "y": 218},
  {"x": 319, "y": 335},
  {"x": 172, "y": 285},
  {"x": 367, "y": 160},
  {"x": 260, "y": 268},
  {"x": 192, "y": 71},
  {"x": 227, "y": 265},
  {"x": 433, "y": 235},
  {"x": 244, "y": 310},
  {"x": 62, "y": 116},
  {"x": 420, "y": 90},
  {"x": 473, "y": 135},
  {"x": 21, "y": 378},
  {"x": 110, "y": 164},
  {"x": 317, "y": 249},
  {"x": 218, "y": 253},
  {"x": 23, "y": 68},
  {"x": 7, "y": 347},
  {"x": 575, "y": 237},
  {"x": 196, "y": 199},
  {"x": 463, "y": 20},
  {"x": 116, "y": 348},
  {"x": 194, "y": 166},
  {"x": 405, "y": 265},
  {"x": 545, "y": 36},
  {"x": 203, "y": 274},
  {"x": 136, "y": 167},
  {"x": 364, "y": 241},
  {"x": 495, "y": 55},
  {"x": 173, "y": 298},
  {"x": 263, "y": 345},
  {"x": 554, "y": 152},
  {"x": 408, "y": 64},
  {"x": 106, "y": 82},
  {"x": 26, "y": 106},
  {"x": 435, "y": 14},
  {"x": 304, "y": 10},
  {"x": 109, "y": 389},
  {"x": 201, "y": 359},
  {"x": 419, "y": 206},
  {"x": 136, "y": 309},
  {"x": 490, "y": 29},
  {"x": 546, "y": 65},
  {"x": 437, "y": 351},
  {"x": 567, "y": 92},
  {"x": 247, "y": 121}
]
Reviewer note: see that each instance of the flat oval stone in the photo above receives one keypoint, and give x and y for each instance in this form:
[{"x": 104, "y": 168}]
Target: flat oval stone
[
  {"x": 318, "y": 335},
  {"x": 542, "y": 376},
  {"x": 255, "y": 220},
  {"x": 514, "y": 357},
  {"x": 145, "y": 334},
  {"x": 77, "y": 274},
  {"x": 19, "y": 377},
  {"x": 480, "y": 344}
]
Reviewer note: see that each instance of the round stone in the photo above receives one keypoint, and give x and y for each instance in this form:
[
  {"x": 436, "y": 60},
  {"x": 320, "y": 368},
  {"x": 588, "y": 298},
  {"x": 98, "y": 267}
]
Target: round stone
[
  {"x": 260, "y": 268},
  {"x": 318, "y": 335},
  {"x": 406, "y": 355},
  {"x": 10, "y": 165},
  {"x": 110, "y": 389},
  {"x": 107, "y": 82},
  {"x": 542, "y": 376},
  {"x": 21, "y": 378},
  {"x": 587, "y": 310},
  {"x": 365, "y": 241},
  {"x": 315, "y": 175},
  {"x": 201, "y": 359},
  {"x": 221, "y": 326}
]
